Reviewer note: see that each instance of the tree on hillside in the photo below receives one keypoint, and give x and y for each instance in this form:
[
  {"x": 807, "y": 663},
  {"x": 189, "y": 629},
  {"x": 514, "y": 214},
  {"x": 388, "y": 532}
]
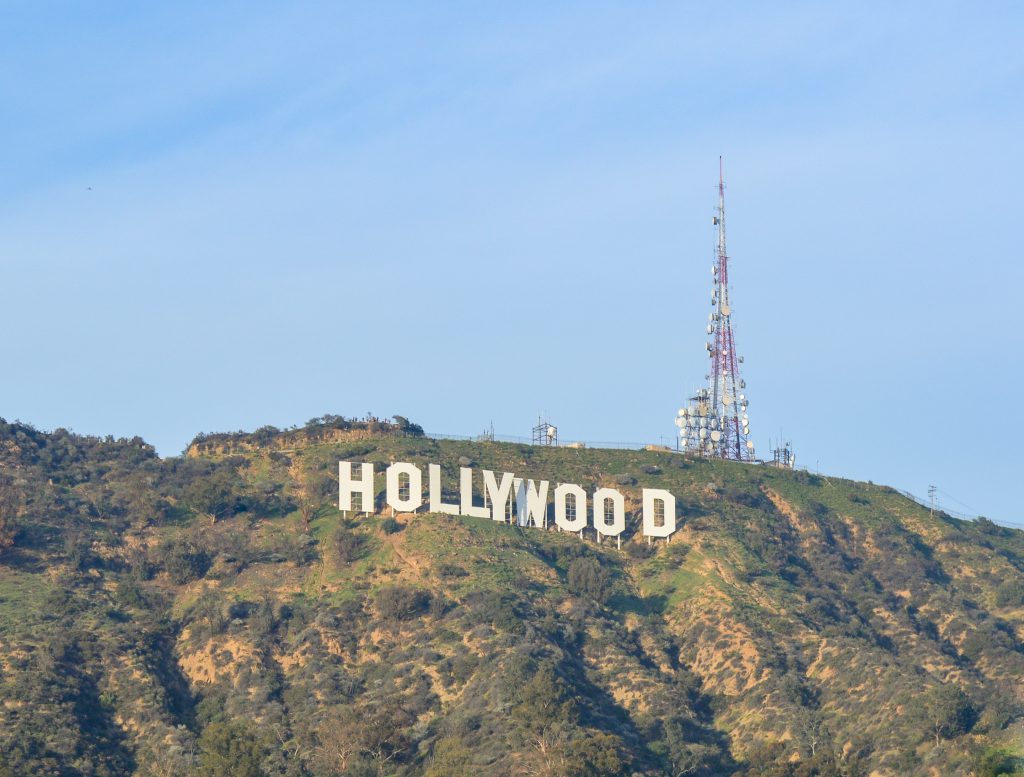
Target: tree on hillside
[
  {"x": 373, "y": 734},
  {"x": 587, "y": 578},
  {"x": 11, "y": 505},
  {"x": 560, "y": 750},
  {"x": 215, "y": 495},
  {"x": 405, "y": 426},
  {"x": 183, "y": 559},
  {"x": 946, "y": 711},
  {"x": 313, "y": 484},
  {"x": 139, "y": 501},
  {"x": 230, "y": 749},
  {"x": 686, "y": 756}
]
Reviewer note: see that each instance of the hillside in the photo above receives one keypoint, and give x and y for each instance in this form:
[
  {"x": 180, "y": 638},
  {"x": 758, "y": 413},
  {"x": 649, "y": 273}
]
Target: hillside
[{"x": 215, "y": 614}]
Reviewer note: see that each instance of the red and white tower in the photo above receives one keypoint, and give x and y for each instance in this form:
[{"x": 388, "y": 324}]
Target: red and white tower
[{"x": 715, "y": 423}]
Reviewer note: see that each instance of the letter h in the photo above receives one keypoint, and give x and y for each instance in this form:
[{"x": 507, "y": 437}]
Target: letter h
[{"x": 347, "y": 487}]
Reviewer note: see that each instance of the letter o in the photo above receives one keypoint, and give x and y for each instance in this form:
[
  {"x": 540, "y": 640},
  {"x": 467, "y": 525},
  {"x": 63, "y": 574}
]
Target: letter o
[
  {"x": 618, "y": 524},
  {"x": 561, "y": 519},
  {"x": 415, "y": 500}
]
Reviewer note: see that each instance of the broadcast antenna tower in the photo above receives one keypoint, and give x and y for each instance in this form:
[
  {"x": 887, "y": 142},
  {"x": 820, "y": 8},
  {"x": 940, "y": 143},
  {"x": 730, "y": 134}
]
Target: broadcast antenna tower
[{"x": 715, "y": 423}]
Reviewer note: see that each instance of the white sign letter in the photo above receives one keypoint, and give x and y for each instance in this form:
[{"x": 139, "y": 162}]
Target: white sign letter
[
  {"x": 618, "y": 512},
  {"x": 415, "y": 498},
  {"x": 436, "y": 505},
  {"x": 347, "y": 486},
  {"x": 466, "y": 495},
  {"x": 532, "y": 502},
  {"x": 667, "y": 513},
  {"x": 498, "y": 494},
  {"x": 576, "y": 520}
]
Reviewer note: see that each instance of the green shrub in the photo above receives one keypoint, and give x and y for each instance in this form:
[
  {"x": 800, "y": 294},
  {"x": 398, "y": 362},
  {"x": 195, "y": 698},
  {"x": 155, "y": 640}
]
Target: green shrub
[
  {"x": 399, "y": 602},
  {"x": 183, "y": 560},
  {"x": 999, "y": 763},
  {"x": 451, "y": 570},
  {"x": 349, "y": 545},
  {"x": 1010, "y": 593},
  {"x": 494, "y": 608},
  {"x": 639, "y": 549}
]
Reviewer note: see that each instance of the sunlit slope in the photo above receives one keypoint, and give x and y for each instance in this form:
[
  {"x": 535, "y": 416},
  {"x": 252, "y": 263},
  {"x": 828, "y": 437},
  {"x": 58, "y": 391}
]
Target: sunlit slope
[{"x": 793, "y": 623}]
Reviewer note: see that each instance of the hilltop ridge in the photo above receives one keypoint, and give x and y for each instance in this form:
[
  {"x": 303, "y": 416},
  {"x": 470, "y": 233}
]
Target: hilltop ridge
[{"x": 157, "y": 615}]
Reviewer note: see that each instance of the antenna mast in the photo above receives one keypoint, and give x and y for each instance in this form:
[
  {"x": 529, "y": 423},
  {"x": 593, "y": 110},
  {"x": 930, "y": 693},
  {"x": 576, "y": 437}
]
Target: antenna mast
[{"x": 715, "y": 423}]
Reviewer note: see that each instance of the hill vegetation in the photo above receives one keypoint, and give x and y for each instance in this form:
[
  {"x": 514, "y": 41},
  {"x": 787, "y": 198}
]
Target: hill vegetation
[{"x": 215, "y": 614}]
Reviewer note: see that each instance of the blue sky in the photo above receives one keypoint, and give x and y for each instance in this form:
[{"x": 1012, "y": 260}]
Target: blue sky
[{"x": 220, "y": 215}]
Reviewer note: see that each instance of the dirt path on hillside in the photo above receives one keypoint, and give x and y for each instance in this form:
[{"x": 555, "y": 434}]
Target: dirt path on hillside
[{"x": 417, "y": 567}]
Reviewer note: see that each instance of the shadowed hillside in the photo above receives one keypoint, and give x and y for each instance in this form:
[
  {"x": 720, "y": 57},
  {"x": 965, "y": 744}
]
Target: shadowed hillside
[{"x": 215, "y": 614}]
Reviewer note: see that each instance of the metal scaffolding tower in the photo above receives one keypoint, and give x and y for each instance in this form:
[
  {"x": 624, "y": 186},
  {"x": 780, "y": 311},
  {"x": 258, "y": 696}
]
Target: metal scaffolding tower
[{"x": 544, "y": 433}]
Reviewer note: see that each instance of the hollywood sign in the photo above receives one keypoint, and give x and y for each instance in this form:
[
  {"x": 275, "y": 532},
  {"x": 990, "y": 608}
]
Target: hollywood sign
[{"x": 507, "y": 499}]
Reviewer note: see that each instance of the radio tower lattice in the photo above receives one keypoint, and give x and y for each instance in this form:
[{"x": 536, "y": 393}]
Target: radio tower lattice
[{"x": 715, "y": 423}]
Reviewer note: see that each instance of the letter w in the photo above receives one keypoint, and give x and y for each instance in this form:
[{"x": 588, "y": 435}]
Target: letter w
[{"x": 532, "y": 502}]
